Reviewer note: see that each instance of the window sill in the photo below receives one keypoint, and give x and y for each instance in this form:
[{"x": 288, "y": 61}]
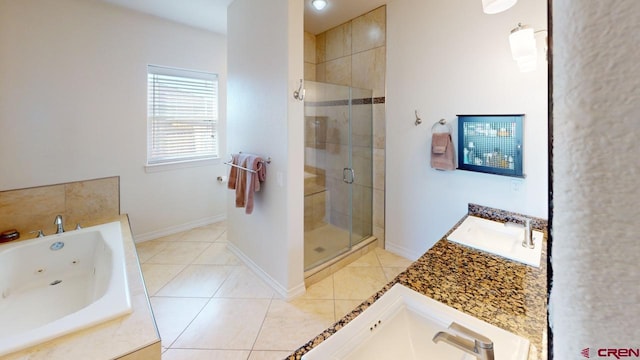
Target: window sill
[{"x": 181, "y": 165}]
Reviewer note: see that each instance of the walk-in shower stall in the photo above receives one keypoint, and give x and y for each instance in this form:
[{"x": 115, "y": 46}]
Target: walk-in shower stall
[{"x": 338, "y": 186}]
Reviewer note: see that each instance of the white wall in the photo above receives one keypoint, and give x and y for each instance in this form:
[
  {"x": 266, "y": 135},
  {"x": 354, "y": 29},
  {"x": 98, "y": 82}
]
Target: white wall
[
  {"x": 446, "y": 57},
  {"x": 595, "y": 302},
  {"x": 73, "y": 105},
  {"x": 265, "y": 59}
]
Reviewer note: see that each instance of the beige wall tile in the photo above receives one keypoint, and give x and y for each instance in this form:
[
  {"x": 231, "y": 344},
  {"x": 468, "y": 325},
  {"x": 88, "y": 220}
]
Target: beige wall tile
[
  {"x": 378, "y": 168},
  {"x": 92, "y": 200},
  {"x": 368, "y": 70},
  {"x": 379, "y": 126},
  {"x": 338, "y": 71},
  {"x": 31, "y": 209},
  {"x": 321, "y": 48},
  {"x": 378, "y": 232},
  {"x": 309, "y": 48},
  {"x": 378, "y": 208},
  {"x": 369, "y": 30},
  {"x": 361, "y": 163},
  {"x": 321, "y": 72},
  {"x": 310, "y": 71},
  {"x": 338, "y": 42},
  {"x": 361, "y": 125},
  {"x": 87, "y": 202}
]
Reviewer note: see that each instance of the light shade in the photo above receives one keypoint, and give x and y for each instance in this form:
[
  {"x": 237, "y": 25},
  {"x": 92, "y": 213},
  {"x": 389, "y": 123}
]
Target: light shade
[
  {"x": 319, "y": 4},
  {"x": 496, "y": 6},
  {"x": 523, "y": 47}
]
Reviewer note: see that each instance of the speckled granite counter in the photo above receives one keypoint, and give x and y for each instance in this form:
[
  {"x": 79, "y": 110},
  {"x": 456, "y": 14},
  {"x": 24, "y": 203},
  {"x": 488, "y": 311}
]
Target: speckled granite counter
[{"x": 504, "y": 293}]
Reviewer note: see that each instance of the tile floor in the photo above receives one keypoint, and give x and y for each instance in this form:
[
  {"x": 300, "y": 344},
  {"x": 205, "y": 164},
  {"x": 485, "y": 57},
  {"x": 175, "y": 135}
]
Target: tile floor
[{"x": 208, "y": 305}]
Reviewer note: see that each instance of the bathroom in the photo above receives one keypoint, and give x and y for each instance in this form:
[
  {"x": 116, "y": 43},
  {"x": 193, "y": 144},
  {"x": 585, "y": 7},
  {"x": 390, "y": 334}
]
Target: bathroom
[{"x": 59, "y": 81}]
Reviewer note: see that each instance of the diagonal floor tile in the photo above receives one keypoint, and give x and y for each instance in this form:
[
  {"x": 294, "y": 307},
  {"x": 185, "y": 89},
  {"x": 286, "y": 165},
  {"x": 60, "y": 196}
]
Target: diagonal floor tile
[
  {"x": 269, "y": 355},
  {"x": 179, "y": 253},
  {"x": 358, "y": 283},
  {"x": 343, "y": 307},
  {"x": 173, "y": 315},
  {"x": 244, "y": 284},
  {"x": 148, "y": 249},
  {"x": 388, "y": 259},
  {"x": 368, "y": 259},
  {"x": 158, "y": 275},
  {"x": 217, "y": 254},
  {"x": 323, "y": 289},
  {"x": 196, "y": 281},
  {"x": 195, "y": 354},
  {"x": 392, "y": 272},
  {"x": 225, "y": 324},
  {"x": 288, "y": 325},
  {"x": 202, "y": 234}
]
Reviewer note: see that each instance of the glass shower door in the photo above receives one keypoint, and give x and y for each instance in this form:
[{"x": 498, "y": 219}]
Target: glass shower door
[
  {"x": 361, "y": 163},
  {"x": 338, "y": 175}
]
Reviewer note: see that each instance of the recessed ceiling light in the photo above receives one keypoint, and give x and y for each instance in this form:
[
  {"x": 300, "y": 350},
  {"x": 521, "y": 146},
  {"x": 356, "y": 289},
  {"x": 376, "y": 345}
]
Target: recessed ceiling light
[{"x": 319, "y": 4}]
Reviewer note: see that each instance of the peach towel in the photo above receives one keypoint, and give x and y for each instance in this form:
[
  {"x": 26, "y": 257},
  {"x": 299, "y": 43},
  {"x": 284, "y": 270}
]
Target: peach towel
[
  {"x": 246, "y": 183},
  {"x": 442, "y": 155}
]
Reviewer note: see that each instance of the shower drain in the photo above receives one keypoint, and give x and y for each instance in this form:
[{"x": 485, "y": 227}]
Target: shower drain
[
  {"x": 319, "y": 249},
  {"x": 55, "y": 282}
]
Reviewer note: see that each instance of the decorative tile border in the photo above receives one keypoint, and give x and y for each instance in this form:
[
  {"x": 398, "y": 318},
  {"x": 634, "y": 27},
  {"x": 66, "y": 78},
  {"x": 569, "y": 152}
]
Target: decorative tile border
[{"x": 360, "y": 101}]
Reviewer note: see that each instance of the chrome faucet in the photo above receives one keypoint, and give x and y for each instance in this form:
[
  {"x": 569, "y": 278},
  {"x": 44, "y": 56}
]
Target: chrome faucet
[
  {"x": 468, "y": 341},
  {"x": 528, "y": 231},
  {"x": 58, "y": 223}
]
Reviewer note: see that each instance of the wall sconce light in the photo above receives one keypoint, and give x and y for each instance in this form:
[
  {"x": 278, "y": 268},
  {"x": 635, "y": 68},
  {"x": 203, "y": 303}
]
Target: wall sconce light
[
  {"x": 496, "y": 6},
  {"x": 523, "y": 47},
  {"x": 319, "y": 4}
]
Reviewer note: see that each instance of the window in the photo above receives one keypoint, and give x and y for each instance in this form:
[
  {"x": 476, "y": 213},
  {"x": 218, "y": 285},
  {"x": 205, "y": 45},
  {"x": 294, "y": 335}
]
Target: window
[{"x": 182, "y": 115}]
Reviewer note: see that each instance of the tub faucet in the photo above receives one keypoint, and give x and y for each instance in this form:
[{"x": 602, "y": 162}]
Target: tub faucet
[
  {"x": 468, "y": 341},
  {"x": 58, "y": 223}
]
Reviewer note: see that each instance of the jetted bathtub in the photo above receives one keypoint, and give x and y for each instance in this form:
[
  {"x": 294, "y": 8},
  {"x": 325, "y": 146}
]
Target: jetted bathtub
[{"x": 58, "y": 284}]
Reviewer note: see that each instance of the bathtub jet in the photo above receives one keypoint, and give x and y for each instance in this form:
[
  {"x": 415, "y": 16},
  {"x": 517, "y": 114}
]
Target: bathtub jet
[{"x": 47, "y": 294}]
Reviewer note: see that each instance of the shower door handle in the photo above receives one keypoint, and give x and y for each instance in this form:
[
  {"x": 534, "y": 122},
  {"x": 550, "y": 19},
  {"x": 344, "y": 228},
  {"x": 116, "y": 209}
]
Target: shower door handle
[{"x": 348, "y": 175}]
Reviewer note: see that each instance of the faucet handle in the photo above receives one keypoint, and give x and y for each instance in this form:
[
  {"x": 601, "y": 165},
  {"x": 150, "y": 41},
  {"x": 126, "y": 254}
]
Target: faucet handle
[
  {"x": 480, "y": 340},
  {"x": 38, "y": 232}
]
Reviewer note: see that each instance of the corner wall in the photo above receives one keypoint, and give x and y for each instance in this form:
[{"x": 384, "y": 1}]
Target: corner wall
[
  {"x": 265, "y": 58},
  {"x": 73, "y": 94},
  {"x": 446, "y": 58}
]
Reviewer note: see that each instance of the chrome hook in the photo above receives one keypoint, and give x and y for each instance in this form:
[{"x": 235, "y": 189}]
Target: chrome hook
[
  {"x": 299, "y": 94},
  {"x": 418, "y": 120}
]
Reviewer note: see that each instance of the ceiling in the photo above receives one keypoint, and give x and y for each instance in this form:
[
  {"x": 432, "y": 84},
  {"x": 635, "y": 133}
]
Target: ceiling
[{"x": 211, "y": 15}]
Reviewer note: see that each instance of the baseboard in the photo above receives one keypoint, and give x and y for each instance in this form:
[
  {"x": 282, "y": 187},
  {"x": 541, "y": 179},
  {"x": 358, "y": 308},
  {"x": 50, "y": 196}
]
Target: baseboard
[
  {"x": 286, "y": 294},
  {"x": 402, "y": 251},
  {"x": 138, "y": 238}
]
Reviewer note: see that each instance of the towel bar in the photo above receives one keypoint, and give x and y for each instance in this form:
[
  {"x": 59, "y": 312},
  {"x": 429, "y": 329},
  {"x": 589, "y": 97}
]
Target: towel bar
[{"x": 260, "y": 165}]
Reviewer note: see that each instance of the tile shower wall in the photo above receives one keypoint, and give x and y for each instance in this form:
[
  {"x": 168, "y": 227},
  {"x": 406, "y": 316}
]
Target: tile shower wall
[
  {"x": 354, "y": 54},
  {"x": 86, "y": 203}
]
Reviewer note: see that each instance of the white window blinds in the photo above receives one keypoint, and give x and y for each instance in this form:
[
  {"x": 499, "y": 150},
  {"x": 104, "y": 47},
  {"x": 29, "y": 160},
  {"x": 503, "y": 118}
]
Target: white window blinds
[{"x": 182, "y": 115}]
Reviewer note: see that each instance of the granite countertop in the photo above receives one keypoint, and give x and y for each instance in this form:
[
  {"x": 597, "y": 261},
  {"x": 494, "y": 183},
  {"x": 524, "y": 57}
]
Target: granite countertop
[{"x": 501, "y": 292}]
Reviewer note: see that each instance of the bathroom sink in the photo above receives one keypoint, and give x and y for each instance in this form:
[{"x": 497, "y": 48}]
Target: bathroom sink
[
  {"x": 496, "y": 238},
  {"x": 401, "y": 325}
]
